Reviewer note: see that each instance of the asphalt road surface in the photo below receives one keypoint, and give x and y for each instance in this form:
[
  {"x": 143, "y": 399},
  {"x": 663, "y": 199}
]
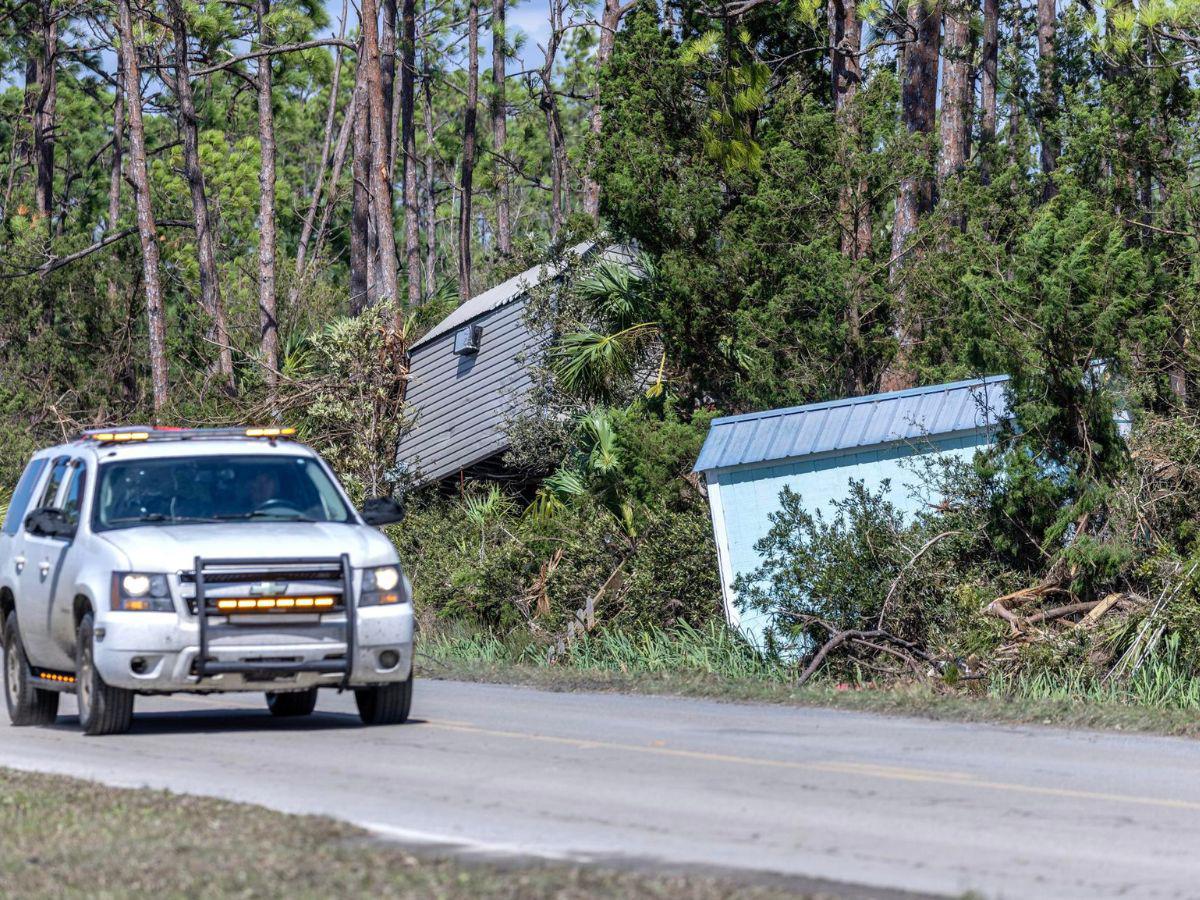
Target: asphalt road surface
[{"x": 889, "y": 803}]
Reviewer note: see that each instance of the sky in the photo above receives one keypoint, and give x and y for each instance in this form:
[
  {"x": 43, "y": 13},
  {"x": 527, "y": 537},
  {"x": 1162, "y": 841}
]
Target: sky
[{"x": 530, "y": 17}]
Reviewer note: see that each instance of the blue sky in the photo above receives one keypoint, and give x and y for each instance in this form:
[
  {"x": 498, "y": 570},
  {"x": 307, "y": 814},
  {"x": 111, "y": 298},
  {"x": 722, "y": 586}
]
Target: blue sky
[{"x": 528, "y": 16}]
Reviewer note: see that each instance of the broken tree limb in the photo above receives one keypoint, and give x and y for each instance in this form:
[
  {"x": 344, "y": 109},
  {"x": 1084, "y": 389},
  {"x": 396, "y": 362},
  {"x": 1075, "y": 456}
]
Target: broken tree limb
[
  {"x": 864, "y": 636},
  {"x": 908, "y": 565}
]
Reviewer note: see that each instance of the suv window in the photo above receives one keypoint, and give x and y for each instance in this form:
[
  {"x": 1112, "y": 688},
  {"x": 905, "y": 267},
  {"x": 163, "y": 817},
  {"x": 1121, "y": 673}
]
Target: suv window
[
  {"x": 74, "y": 497},
  {"x": 181, "y": 490},
  {"x": 19, "y": 504},
  {"x": 57, "y": 474}
]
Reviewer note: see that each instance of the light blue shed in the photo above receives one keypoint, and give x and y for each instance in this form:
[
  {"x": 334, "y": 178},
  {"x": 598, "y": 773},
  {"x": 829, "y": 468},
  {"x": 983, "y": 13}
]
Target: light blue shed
[{"x": 816, "y": 450}]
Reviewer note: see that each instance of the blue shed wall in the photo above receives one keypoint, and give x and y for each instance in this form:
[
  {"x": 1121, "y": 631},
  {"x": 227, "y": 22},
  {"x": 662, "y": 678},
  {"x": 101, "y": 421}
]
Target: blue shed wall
[{"x": 745, "y": 497}]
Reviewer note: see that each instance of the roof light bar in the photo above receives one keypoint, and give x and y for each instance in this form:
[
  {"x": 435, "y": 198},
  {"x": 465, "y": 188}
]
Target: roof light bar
[{"x": 126, "y": 434}]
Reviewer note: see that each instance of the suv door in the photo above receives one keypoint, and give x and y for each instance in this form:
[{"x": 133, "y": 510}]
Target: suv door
[
  {"x": 12, "y": 543},
  {"x": 41, "y": 556},
  {"x": 61, "y": 615}
]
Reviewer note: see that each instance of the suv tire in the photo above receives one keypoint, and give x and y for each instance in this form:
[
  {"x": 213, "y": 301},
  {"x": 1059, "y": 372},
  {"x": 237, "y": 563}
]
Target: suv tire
[
  {"x": 102, "y": 709},
  {"x": 293, "y": 703},
  {"x": 27, "y": 705},
  {"x": 387, "y": 704}
]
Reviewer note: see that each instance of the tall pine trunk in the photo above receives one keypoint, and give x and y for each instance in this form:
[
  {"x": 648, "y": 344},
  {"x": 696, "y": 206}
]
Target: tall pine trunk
[
  {"x": 430, "y": 191},
  {"x": 41, "y": 85},
  {"x": 387, "y": 82},
  {"x": 499, "y": 111},
  {"x": 147, "y": 229},
  {"x": 988, "y": 70},
  {"x": 918, "y": 90},
  {"x": 206, "y": 255},
  {"x": 610, "y": 19},
  {"x": 957, "y": 94},
  {"x": 360, "y": 206},
  {"x": 1047, "y": 95},
  {"x": 308, "y": 225},
  {"x": 379, "y": 184},
  {"x": 854, "y": 207},
  {"x": 268, "y": 321},
  {"x": 466, "y": 182},
  {"x": 408, "y": 139}
]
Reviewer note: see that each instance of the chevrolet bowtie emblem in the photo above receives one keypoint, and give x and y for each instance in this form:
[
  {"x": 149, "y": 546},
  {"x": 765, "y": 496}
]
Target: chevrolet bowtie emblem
[{"x": 267, "y": 589}]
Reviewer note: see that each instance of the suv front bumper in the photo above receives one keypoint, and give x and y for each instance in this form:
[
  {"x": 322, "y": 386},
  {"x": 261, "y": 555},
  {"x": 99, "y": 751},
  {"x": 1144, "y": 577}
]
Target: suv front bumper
[{"x": 156, "y": 652}]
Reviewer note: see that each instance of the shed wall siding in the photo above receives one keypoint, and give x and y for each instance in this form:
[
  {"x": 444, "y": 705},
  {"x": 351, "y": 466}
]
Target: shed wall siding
[
  {"x": 749, "y": 495},
  {"x": 460, "y": 404}
]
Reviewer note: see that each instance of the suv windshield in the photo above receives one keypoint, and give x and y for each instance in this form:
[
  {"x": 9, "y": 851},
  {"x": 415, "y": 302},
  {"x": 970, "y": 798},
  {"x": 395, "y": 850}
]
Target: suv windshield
[{"x": 194, "y": 489}]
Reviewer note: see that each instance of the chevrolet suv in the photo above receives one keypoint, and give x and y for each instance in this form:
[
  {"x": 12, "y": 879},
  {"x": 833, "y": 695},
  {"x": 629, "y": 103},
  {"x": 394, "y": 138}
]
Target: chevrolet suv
[{"x": 152, "y": 561}]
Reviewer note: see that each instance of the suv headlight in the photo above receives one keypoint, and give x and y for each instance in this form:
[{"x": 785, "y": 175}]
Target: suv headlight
[
  {"x": 141, "y": 592},
  {"x": 383, "y": 586}
]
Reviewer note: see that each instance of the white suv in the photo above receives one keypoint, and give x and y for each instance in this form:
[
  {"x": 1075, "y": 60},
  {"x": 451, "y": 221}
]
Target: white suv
[{"x": 150, "y": 561}]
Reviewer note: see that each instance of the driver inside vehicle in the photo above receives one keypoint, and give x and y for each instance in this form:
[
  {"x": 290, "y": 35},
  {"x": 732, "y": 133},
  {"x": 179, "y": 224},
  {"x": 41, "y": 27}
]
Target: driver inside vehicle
[{"x": 263, "y": 489}]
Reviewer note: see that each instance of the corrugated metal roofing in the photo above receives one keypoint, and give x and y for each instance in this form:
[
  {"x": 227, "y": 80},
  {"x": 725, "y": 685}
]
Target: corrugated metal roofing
[
  {"x": 854, "y": 422},
  {"x": 505, "y": 292}
]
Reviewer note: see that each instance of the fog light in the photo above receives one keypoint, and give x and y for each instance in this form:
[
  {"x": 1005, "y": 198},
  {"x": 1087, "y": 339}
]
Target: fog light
[
  {"x": 389, "y": 659},
  {"x": 137, "y": 665}
]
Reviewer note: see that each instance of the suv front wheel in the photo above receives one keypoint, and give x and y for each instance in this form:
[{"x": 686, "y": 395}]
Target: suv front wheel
[
  {"x": 387, "y": 704},
  {"x": 102, "y": 709},
  {"x": 27, "y": 705}
]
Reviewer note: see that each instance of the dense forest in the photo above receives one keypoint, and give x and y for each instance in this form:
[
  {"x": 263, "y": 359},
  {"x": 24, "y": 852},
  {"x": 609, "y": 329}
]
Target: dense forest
[{"x": 224, "y": 211}]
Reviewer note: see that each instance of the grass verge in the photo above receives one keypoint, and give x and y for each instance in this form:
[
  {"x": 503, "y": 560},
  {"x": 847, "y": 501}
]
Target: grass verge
[
  {"x": 713, "y": 665},
  {"x": 68, "y": 838}
]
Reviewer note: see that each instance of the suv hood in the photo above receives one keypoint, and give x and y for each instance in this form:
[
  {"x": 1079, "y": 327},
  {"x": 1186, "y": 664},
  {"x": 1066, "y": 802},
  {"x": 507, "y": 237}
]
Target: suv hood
[{"x": 174, "y": 548}]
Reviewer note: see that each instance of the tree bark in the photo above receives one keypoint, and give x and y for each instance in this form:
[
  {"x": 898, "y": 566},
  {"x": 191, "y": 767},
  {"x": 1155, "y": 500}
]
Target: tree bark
[
  {"x": 845, "y": 31},
  {"x": 854, "y": 209},
  {"x": 610, "y": 20},
  {"x": 45, "y": 108},
  {"x": 548, "y": 101},
  {"x": 500, "y": 126},
  {"x": 408, "y": 137},
  {"x": 430, "y": 192},
  {"x": 335, "y": 179},
  {"x": 379, "y": 182},
  {"x": 268, "y": 322},
  {"x": 1015, "y": 94},
  {"x": 116, "y": 169},
  {"x": 918, "y": 89},
  {"x": 956, "y": 89},
  {"x": 1047, "y": 99},
  {"x": 210, "y": 284},
  {"x": 147, "y": 231},
  {"x": 387, "y": 82},
  {"x": 467, "y": 179},
  {"x": 306, "y": 229},
  {"x": 988, "y": 70},
  {"x": 360, "y": 210}
]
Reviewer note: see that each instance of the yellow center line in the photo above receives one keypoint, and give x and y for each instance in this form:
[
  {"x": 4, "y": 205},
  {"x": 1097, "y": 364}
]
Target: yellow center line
[{"x": 866, "y": 770}]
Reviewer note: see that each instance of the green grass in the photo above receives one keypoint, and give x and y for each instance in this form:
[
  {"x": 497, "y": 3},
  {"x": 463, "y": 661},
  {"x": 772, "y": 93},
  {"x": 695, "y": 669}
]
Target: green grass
[
  {"x": 1162, "y": 697},
  {"x": 65, "y": 838}
]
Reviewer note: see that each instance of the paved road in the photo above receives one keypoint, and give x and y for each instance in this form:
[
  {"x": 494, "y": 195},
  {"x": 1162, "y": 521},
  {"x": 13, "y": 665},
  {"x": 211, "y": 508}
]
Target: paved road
[{"x": 884, "y": 802}]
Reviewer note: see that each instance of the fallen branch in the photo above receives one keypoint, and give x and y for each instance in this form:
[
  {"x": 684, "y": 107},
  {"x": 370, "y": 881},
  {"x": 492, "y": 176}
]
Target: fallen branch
[
  {"x": 896, "y": 581},
  {"x": 863, "y": 636}
]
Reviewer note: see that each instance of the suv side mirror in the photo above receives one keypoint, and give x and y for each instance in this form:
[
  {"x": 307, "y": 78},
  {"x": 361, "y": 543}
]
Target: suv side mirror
[
  {"x": 382, "y": 511},
  {"x": 49, "y": 522}
]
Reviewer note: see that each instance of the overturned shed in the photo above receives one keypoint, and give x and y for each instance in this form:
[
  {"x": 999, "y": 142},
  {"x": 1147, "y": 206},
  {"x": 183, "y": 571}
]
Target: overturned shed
[{"x": 817, "y": 450}]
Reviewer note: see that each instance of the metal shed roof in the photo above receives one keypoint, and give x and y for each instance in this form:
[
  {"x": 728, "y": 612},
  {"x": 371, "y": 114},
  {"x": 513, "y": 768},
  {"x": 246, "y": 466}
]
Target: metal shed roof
[
  {"x": 854, "y": 422},
  {"x": 503, "y": 293}
]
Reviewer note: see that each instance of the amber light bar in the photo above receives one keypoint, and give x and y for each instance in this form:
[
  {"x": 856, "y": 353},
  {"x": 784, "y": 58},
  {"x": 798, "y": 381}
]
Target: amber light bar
[
  {"x": 54, "y": 676},
  {"x": 246, "y": 604}
]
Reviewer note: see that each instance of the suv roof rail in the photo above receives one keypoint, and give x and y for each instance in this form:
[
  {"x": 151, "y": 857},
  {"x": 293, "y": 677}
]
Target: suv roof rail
[{"x": 127, "y": 433}]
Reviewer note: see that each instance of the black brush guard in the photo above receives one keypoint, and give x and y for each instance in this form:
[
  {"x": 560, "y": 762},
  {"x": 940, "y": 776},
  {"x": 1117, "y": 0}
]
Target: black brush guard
[{"x": 206, "y": 667}]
